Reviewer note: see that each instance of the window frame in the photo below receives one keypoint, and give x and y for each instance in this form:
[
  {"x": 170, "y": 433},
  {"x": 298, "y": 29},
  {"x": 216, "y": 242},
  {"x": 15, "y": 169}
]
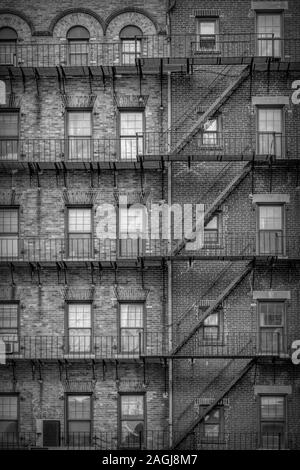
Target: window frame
[
  {"x": 120, "y": 137},
  {"x": 283, "y": 230},
  {"x": 212, "y": 243},
  {"x": 207, "y": 19},
  {"x": 136, "y": 40},
  {"x": 17, "y": 395},
  {"x": 15, "y": 151},
  {"x": 283, "y": 327},
  {"x": 265, "y": 420},
  {"x": 15, "y": 331},
  {"x": 80, "y": 42},
  {"x": 67, "y": 420},
  {"x": 270, "y": 12},
  {"x": 4, "y": 235},
  {"x": 282, "y": 134},
  {"x": 143, "y": 329},
  {"x": 11, "y": 44},
  {"x": 67, "y": 232},
  {"x": 67, "y": 327},
  {"x": 70, "y": 138},
  {"x": 120, "y": 420},
  {"x": 221, "y": 422}
]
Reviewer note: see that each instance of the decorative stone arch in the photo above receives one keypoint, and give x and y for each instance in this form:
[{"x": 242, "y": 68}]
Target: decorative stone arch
[
  {"x": 130, "y": 16},
  {"x": 18, "y": 21},
  {"x": 60, "y": 25}
]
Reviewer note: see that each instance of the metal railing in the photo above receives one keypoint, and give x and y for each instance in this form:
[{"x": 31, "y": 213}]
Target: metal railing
[
  {"x": 238, "y": 245},
  {"x": 150, "y": 145},
  {"x": 152, "y": 440},
  {"x": 180, "y": 46},
  {"x": 271, "y": 342}
]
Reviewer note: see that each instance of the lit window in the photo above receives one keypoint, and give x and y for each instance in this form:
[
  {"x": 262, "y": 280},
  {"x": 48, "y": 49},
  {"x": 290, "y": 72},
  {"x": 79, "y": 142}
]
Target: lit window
[
  {"x": 9, "y": 135},
  {"x": 269, "y": 34},
  {"x": 131, "y": 327},
  {"x": 270, "y": 229},
  {"x": 211, "y": 327},
  {"x": 8, "y": 419},
  {"x": 8, "y": 40},
  {"x": 271, "y": 322},
  {"x": 270, "y": 138},
  {"x": 131, "y": 134},
  {"x": 79, "y": 419},
  {"x": 206, "y": 35},
  {"x": 78, "y": 38},
  {"x": 79, "y": 135},
  {"x": 210, "y": 136},
  {"x": 131, "y": 43},
  {"x": 79, "y": 327},
  {"x": 9, "y": 326},
  {"x": 9, "y": 232},
  {"x": 132, "y": 420},
  {"x": 272, "y": 425},
  {"x": 80, "y": 232},
  {"x": 2, "y": 92}
]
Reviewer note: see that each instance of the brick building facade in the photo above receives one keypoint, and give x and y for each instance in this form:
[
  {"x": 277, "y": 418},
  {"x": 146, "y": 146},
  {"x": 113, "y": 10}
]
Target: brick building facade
[{"x": 132, "y": 339}]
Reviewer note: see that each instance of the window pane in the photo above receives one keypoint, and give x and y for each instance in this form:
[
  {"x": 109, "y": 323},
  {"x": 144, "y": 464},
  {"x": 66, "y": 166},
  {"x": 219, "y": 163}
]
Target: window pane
[
  {"x": 131, "y": 315},
  {"x": 130, "y": 340},
  {"x": 207, "y": 27},
  {"x": 8, "y": 221},
  {"x": 272, "y": 407},
  {"x": 131, "y": 123},
  {"x": 211, "y": 430},
  {"x": 79, "y": 124},
  {"x": 10, "y": 427},
  {"x": 79, "y": 426},
  {"x": 212, "y": 224},
  {"x": 271, "y": 313},
  {"x": 270, "y": 218},
  {"x": 212, "y": 320},
  {"x": 79, "y": 220},
  {"x": 79, "y": 407},
  {"x": 8, "y": 407},
  {"x": 270, "y": 120},
  {"x": 79, "y": 315},
  {"x": 9, "y": 125},
  {"x": 132, "y": 433},
  {"x": 132, "y": 406},
  {"x": 132, "y": 221},
  {"x": 8, "y": 315}
]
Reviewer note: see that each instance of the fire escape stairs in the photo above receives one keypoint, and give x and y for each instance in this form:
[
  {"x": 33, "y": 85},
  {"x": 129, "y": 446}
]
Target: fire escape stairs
[
  {"x": 212, "y": 308},
  {"x": 217, "y": 203},
  {"x": 209, "y": 113},
  {"x": 216, "y": 401}
]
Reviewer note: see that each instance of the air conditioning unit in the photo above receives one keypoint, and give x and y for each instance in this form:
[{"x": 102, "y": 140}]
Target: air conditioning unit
[
  {"x": 11, "y": 344},
  {"x": 48, "y": 432}
]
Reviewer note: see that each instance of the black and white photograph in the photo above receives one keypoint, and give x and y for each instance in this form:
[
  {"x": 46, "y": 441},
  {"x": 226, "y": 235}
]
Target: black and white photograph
[{"x": 149, "y": 229}]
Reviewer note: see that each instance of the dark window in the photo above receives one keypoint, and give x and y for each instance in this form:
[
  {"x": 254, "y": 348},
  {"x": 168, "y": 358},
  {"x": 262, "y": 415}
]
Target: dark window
[
  {"x": 132, "y": 420},
  {"x": 9, "y": 326},
  {"x": 271, "y": 229},
  {"x": 78, "y": 38},
  {"x": 9, "y": 135},
  {"x": 207, "y": 35},
  {"x": 9, "y": 232},
  {"x": 269, "y": 34},
  {"x": 79, "y": 419},
  {"x": 8, "y": 39},
  {"x": 80, "y": 232},
  {"x": 270, "y": 131},
  {"x": 131, "y": 134},
  {"x": 8, "y": 419},
  {"x": 131, "y": 327},
  {"x": 79, "y": 327},
  {"x": 271, "y": 322},
  {"x": 79, "y": 129},
  {"x": 131, "y": 43},
  {"x": 212, "y": 425},
  {"x": 272, "y": 421}
]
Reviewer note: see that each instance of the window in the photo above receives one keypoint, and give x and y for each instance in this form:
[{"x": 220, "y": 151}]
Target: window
[
  {"x": 272, "y": 421},
  {"x": 270, "y": 126},
  {"x": 131, "y": 327},
  {"x": 270, "y": 229},
  {"x": 211, "y": 327},
  {"x": 131, "y": 44},
  {"x": 271, "y": 326},
  {"x": 207, "y": 35},
  {"x": 9, "y": 232},
  {"x": 8, "y": 419},
  {"x": 80, "y": 232},
  {"x": 8, "y": 40},
  {"x": 131, "y": 134},
  {"x": 78, "y": 38},
  {"x": 211, "y": 231},
  {"x": 79, "y": 327},
  {"x": 269, "y": 34},
  {"x": 9, "y": 135},
  {"x": 212, "y": 426},
  {"x": 9, "y": 325},
  {"x": 2, "y": 92},
  {"x": 79, "y": 419},
  {"x": 132, "y": 420},
  {"x": 79, "y": 128},
  {"x": 210, "y": 135},
  {"x": 132, "y": 231}
]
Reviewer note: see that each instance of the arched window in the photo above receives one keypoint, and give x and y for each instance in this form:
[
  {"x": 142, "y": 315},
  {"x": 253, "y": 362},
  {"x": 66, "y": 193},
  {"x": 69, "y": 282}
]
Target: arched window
[
  {"x": 2, "y": 92},
  {"x": 78, "y": 38},
  {"x": 131, "y": 39},
  {"x": 8, "y": 39}
]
